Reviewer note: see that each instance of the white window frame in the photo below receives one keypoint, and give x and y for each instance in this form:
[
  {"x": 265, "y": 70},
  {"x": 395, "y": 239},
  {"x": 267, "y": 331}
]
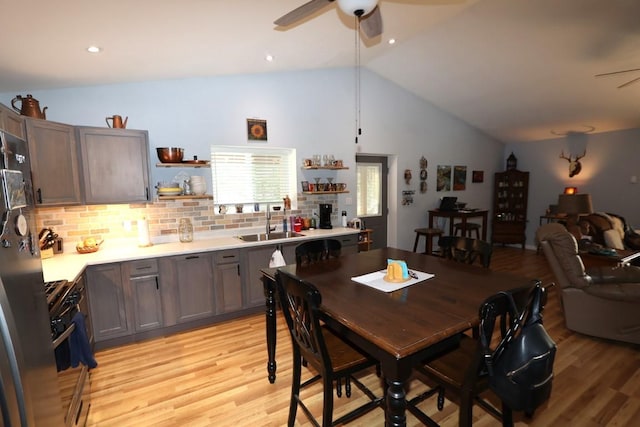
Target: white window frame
[{"x": 250, "y": 174}]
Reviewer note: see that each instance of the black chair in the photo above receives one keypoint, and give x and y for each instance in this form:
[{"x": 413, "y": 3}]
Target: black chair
[
  {"x": 315, "y": 251},
  {"x": 329, "y": 355},
  {"x": 464, "y": 249},
  {"x": 463, "y": 373}
]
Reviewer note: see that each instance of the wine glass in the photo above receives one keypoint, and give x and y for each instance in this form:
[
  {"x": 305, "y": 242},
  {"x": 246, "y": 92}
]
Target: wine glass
[
  {"x": 331, "y": 185},
  {"x": 325, "y": 160},
  {"x": 317, "y": 183}
]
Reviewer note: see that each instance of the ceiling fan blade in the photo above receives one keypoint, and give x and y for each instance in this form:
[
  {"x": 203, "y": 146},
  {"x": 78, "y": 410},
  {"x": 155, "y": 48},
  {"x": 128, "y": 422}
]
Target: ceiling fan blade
[
  {"x": 630, "y": 82},
  {"x": 618, "y": 72},
  {"x": 301, "y": 12},
  {"x": 371, "y": 24}
]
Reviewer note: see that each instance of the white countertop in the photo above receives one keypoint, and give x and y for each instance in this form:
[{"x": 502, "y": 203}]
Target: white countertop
[{"x": 70, "y": 264}]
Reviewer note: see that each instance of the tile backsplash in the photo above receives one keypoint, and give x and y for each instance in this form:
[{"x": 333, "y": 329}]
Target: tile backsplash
[{"x": 73, "y": 223}]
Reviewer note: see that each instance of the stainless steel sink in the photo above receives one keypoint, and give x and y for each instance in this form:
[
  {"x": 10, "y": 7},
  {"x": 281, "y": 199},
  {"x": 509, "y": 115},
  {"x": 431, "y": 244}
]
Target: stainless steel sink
[{"x": 260, "y": 237}]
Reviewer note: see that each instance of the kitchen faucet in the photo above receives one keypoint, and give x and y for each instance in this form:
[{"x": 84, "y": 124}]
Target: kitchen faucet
[{"x": 269, "y": 229}]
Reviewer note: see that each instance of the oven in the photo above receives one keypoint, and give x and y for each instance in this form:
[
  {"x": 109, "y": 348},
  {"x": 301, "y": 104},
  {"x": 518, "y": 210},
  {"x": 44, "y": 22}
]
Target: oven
[{"x": 66, "y": 300}]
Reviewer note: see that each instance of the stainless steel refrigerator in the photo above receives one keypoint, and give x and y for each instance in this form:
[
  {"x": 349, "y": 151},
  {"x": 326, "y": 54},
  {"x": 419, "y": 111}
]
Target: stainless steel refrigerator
[{"x": 29, "y": 391}]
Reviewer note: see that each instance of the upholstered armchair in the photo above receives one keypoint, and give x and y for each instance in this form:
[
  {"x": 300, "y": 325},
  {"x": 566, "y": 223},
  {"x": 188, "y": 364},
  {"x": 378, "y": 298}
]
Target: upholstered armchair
[{"x": 602, "y": 302}]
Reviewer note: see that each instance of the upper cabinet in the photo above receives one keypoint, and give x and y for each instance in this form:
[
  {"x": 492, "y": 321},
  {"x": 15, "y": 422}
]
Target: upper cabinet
[
  {"x": 115, "y": 165},
  {"x": 53, "y": 151},
  {"x": 11, "y": 121}
]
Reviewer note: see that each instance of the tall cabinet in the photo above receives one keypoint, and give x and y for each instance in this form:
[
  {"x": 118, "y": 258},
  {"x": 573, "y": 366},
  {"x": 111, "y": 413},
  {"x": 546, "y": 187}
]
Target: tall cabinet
[{"x": 510, "y": 194}]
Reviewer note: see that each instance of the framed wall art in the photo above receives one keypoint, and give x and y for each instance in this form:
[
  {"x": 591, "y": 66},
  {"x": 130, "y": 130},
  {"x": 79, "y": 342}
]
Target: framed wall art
[
  {"x": 477, "y": 176},
  {"x": 459, "y": 178},
  {"x": 444, "y": 178},
  {"x": 256, "y": 130}
]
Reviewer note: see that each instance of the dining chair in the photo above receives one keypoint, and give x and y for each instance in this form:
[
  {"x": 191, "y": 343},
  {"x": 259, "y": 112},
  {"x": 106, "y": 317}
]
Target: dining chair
[
  {"x": 465, "y": 249},
  {"x": 329, "y": 355},
  {"x": 462, "y": 373},
  {"x": 314, "y": 251}
]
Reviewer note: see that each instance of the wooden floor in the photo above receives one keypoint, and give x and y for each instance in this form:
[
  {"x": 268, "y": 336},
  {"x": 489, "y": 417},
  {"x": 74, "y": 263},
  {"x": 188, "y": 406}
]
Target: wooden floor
[{"x": 216, "y": 376}]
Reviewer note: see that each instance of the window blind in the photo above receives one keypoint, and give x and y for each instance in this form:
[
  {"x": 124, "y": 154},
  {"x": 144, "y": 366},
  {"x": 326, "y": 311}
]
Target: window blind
[{"x": 252, "y": 175}]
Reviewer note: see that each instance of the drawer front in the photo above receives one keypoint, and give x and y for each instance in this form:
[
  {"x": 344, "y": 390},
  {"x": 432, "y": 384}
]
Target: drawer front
[
  {"x": 225, "y": 257},
  {"x": 143, "y": 267},
  {"x": 348, "y": 240}
]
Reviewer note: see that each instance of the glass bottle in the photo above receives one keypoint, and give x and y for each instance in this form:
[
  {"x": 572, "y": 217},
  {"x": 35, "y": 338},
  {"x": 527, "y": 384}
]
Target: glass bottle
[{"x": 185, "y": 230}]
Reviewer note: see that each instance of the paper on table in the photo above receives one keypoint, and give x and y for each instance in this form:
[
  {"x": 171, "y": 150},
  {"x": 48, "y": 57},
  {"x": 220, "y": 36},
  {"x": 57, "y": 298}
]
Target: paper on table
[{"x": 376, "y": 280}]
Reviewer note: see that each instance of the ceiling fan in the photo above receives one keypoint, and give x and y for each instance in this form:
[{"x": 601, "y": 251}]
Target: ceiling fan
[
  {"x": 630, "y": 82},
  {"x": 367, "y": 11}
]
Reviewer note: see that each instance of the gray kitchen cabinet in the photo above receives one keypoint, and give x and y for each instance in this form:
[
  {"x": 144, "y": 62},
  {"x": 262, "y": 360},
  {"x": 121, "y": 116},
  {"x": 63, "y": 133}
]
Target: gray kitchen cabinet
[
  {"x": 349, "y": 243},
  {"x": 115, "y": 165},
  {"x": 257, "y": 258},
  {"x": 108, "y": 302},
  {"x": 145, "y": 293},
  {"x": 53, "y": 151},
  {"x": 187, "y": 287},
  {"x": 12, "y": 122},
  {"x": 228, "y": 281}
]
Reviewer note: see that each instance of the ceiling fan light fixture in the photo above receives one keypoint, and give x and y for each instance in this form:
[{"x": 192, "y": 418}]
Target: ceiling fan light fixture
[{"x": 357, "y": 7}]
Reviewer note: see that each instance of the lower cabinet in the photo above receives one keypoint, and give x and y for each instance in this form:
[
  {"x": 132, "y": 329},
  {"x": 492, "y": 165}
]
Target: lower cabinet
[
  {"x": 151, "y": 296},
  {"x": 145, "y": 292},
  {"x": 257, "y": 258},
  {"x": 108, "y": 302},
  {"x": 228, "y": 281},
  {"x": 187, "y": 287}
]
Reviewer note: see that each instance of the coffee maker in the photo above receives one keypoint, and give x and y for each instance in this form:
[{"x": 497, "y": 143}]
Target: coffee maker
[{"x": 325, "y": 215}]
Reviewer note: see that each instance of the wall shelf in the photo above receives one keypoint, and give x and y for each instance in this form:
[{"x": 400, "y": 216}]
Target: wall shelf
[
  {"x": 324, "y": 167},
  {"x": 192, "y": 196},
  {"x": 324, "y": 192},
  {"x": 203, "y": 164}
]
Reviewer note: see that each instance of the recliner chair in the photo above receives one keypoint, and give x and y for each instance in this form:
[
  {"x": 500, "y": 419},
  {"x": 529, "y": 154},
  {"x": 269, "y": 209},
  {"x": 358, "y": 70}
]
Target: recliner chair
[{"x": 602, "y": 302}]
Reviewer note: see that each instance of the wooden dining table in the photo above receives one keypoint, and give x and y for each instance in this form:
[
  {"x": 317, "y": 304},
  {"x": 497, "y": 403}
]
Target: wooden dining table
[{"x": 399, "y": 328}]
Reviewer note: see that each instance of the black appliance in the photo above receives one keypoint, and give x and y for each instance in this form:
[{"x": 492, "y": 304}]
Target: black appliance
[
  {"x": 325, "y": 216},
  {"x": 66, "y": 301},
  {"x": 29, "y": 388},
  {"x": 448, "y": 204}
]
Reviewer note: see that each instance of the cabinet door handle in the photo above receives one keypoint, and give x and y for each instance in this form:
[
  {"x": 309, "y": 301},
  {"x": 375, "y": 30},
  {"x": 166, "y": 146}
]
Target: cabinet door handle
[
  {"x": 228, "y": 256},
  {"x": 157, "y": 285},
  {"x": 146, "y": 267},
  {"x": 238, "y": 266},
  {"x": 192, "y": 257},
  {"x": 39, "y": 191}
]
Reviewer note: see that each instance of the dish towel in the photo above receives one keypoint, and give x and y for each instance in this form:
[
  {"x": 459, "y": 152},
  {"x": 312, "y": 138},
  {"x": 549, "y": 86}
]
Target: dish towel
[
  {"x": 277, "y": 260},
  {"x": 79, "y": 344}
]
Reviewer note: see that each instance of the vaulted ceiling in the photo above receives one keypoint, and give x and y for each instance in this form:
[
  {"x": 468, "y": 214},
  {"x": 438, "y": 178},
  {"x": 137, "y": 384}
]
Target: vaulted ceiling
[{"x": 516, "y": 69}]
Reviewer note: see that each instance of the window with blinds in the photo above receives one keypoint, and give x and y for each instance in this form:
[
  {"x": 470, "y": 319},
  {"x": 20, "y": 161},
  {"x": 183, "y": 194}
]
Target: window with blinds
[{"x": 244, "y": 175}]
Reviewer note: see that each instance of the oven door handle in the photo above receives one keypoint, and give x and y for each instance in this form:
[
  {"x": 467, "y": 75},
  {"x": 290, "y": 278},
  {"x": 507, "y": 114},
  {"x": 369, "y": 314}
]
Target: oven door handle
[{"x": 67, "y": 332}]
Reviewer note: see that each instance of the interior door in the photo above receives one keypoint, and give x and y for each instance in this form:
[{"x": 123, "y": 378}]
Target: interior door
[{"x": 372, "y": 204}]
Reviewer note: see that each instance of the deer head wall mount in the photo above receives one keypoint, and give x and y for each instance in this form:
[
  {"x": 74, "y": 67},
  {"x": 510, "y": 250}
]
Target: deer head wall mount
[{"x": 574, "y": 164}]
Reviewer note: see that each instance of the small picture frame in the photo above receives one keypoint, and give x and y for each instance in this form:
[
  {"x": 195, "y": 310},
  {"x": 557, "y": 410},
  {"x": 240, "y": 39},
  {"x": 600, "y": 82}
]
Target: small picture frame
[
  {"x": 305, "y": 185},
  {"x": 256, "y": 130},
  {"x": 477, "y": 176}
]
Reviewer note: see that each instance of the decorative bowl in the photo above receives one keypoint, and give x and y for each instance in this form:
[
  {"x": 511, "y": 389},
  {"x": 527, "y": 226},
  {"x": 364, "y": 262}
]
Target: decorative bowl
[{"x": 170, "y": 154}]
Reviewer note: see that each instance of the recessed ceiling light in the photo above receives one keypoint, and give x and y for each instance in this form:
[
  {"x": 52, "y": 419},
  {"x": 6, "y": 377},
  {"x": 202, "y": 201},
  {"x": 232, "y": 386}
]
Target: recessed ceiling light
[
  {"x": 268, "y": 58},
  {"x": 392, "y": 41},
  {"x": 93, "y": 49}
]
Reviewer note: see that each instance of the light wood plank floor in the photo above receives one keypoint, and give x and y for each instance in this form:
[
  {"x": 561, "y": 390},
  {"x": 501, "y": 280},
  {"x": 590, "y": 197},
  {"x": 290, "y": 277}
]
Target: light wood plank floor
[{"x": 216, "y": 376}]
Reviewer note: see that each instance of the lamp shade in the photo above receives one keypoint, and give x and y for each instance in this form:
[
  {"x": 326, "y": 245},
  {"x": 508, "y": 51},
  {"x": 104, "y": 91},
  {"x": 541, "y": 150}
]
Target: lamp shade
[
  {"x": 357, "y": 7},
  {"x": 575, "y": 204}
]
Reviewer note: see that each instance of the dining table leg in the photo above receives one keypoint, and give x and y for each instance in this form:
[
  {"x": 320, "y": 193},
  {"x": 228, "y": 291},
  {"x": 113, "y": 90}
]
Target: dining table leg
[
  {"x": 395, "y": 412},
  {"x": 270, "y": 314}
]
